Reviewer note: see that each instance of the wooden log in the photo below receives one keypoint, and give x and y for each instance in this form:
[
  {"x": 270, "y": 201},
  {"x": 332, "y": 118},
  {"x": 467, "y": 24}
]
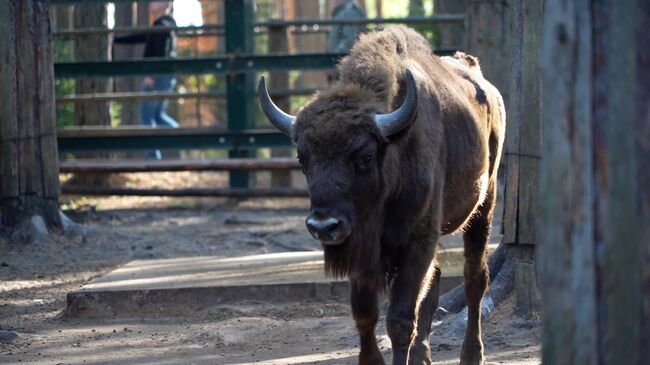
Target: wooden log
[
  {"x": 240, "y": 164},
  {"x": 207, "y": 192}
]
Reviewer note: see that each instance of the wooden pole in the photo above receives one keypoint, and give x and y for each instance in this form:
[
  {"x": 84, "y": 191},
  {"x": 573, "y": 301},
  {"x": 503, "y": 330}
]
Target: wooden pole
[
  {"x": 594, "y": 250},
  {"x": 28, "y": 147},
  {"x": 92, "y": 47},
  {"x": 279, "y": 43}
]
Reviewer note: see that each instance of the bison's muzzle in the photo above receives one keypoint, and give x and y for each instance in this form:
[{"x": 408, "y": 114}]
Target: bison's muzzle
[{"x": 327, "y": 229}]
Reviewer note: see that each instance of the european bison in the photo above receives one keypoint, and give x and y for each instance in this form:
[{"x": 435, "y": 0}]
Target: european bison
[{"x": 385, "y": 185}]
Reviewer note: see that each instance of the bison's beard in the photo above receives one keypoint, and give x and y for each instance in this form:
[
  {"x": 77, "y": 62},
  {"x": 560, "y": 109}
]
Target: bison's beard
[{"x": 359, "y": 256}]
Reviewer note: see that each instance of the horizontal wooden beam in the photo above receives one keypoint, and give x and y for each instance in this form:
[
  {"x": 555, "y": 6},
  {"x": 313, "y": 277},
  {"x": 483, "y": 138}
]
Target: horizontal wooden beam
[
  {"x": 211, "y": 65},
  {"x": 233, "y": 164},
  {"x": 202, "y": 192},
  {"x": 126, "y": 96},
  {"x": 230, "y": 64},
  {"x": 138, "y": 138},
  {"x": 294, "y": 23}
]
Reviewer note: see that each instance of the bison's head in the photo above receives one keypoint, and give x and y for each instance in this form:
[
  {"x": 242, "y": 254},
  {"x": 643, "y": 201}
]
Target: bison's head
[{"x": 341, "y": 141}]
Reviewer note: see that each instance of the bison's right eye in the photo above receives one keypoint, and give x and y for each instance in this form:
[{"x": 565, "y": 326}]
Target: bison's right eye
[{"x": 366, "y": 162}]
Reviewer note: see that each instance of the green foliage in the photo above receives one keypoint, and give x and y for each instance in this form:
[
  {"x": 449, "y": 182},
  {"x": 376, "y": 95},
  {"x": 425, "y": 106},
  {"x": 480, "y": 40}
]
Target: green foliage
[
  {"x": 417, "y": 8},
  {"x": 65, "y": 111},
  {"x": 116, "y": 113},
  {"x": 63, "y": 52}
]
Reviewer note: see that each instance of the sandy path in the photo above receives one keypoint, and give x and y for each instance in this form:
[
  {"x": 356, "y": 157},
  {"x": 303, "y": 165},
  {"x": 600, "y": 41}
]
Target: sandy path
[{"x": 34, "y": 280}]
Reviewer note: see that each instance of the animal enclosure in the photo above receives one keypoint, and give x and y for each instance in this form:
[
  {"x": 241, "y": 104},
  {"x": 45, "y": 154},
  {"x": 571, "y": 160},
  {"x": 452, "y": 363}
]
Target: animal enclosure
[{"x": 127, "y": 242}]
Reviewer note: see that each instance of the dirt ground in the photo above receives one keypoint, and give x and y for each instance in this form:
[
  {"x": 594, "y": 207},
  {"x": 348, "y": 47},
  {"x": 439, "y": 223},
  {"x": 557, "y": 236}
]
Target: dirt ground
[{"x": 34, "y": 280}]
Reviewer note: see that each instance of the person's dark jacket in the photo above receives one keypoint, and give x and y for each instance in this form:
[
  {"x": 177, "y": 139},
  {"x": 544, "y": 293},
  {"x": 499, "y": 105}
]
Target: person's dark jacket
[{"x": 161, "y": 44}]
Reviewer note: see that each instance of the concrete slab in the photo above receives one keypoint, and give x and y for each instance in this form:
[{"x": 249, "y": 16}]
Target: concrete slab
[{"x": 178, "y": 285}]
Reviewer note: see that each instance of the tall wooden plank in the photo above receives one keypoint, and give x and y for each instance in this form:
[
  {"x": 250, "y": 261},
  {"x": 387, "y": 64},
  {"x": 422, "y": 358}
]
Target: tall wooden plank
[
  {"x": 642, "y": 132},
  {"x": 593, "y": 251},
  {"x": 565, "y": 253},
  {"x": 529, "y": 124},
  {"x": 514, "y": 120},
  {"x": 46, "y": 107},
  {"x": 618, "y": 228},
  {"x": 27, "y": 100}
]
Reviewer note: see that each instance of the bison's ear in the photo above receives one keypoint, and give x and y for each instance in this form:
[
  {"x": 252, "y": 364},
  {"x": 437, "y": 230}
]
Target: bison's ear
[
  {"x": 403, "y": 116},
  {"x": 279, "y": 119}
]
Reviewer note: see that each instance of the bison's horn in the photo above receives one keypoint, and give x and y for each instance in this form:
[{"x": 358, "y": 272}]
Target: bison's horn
[
  {"x": 277, "y": 117},
  {"x": 399, "y": 119}
]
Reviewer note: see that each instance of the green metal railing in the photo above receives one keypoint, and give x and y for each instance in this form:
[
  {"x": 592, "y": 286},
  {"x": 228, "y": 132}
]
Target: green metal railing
[{"x": 239, "y": 66}]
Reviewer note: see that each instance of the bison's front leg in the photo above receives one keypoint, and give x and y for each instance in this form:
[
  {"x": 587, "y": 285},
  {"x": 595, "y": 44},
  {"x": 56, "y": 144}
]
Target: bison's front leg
[
  {"x": 420, "y": 351},
  {"x": 366, "y": 312},
  {"x": 408, "y": 291}
]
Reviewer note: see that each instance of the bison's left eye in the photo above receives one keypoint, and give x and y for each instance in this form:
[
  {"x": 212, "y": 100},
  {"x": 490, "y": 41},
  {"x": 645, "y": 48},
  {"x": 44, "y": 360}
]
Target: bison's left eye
[{"x": 366, "y": 161}]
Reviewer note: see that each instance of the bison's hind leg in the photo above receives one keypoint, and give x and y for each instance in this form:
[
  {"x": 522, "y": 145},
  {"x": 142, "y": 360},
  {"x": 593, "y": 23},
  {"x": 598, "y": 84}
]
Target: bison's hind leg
[
  {"x": 365, "y": 309},
  {"x": 476, "y": 276}
]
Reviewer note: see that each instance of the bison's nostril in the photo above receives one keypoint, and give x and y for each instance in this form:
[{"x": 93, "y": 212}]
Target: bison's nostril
[
  {"x": 322, "y": 225},
  {"x": 323, "y": 228}
]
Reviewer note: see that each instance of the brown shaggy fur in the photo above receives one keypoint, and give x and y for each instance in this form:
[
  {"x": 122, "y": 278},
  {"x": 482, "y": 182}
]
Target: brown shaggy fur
[{"x": 425, "y": 181}]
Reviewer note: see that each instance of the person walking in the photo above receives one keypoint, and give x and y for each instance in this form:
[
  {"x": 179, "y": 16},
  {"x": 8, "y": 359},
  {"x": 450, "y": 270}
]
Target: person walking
[{"x": 157, "y": 45}]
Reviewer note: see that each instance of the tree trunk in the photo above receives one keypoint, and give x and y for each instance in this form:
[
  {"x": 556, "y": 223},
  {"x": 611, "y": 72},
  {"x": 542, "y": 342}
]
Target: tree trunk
[
  {"x": 594, "y": 252},
  {"x": 28, "y": 151},
  {"x": 91, "y": 47}
]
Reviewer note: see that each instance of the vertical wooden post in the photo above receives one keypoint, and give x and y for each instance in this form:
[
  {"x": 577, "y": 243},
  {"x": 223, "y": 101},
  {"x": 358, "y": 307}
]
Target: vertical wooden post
[
  {"x": 594, "y": 250},
  {"x": 450, "y": 35},
  {"x": 642, "y": 144},
  {"x": 91, "y": 47},
  {"x": 28, "y": 148},
  {"x": 240, "y": 86},
  {"x": 488, "y": 36},
  {"x": 126, "y": 15},
  {"x": 522, "y": 147},
  {"x": 278, "y": 43},
  {"x": 309, "y": 43}
]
